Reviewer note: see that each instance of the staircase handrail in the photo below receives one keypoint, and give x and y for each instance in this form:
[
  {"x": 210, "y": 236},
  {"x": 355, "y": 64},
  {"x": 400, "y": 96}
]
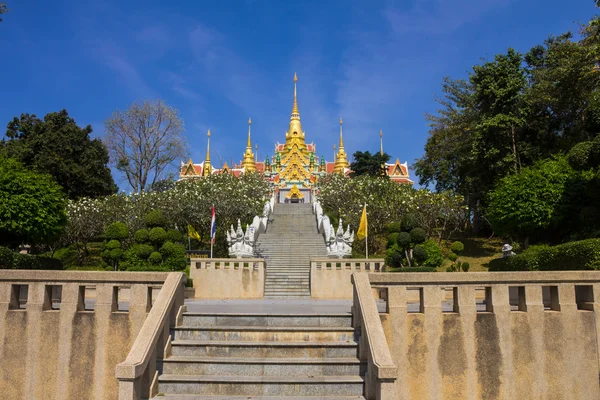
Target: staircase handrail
[
  {"x": 381, "y": 371},
  {"x": 137, "y": 373}
]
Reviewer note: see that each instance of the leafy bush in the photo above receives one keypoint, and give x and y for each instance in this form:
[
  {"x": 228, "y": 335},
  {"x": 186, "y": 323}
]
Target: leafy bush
[
  {"x": 418, "y": 235},
  {"x": 452, "y": 257},
  {"x": 13, "y": 260},
  {"x": 403, "y": 240},
  {"x": 142, "y": 251},
  {"x": 170, "y": 249},
  {"x": 155, "y": 219},
  {"x": 457, "y": 247},
  {"x": 580, "y": 255},
  {"x": 116, "y": 231},
  {"x": 113, "y": 244},
  {"x": 155, "y": 258},
  {"x": 419, "y": 254},
  {"x": 435, "y": 256},
  {"x": 392, "y": 239},
  {"x": 394, "y": 227},
  {"x": 465, "y": 266},
  {"x": 157, "y": 236},
  {"x": 141, "y": 236},
  {"x": 173, "y": 235}
]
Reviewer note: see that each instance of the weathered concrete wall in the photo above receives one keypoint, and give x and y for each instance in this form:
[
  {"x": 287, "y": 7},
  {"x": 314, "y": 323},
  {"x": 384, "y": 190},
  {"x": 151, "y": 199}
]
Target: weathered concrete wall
[
  {"x": 332, "y": 278},
  {"x": 69, "y": 353},
  {"x": 491, "y": 352},
  {"x": 228, "y": 278}
]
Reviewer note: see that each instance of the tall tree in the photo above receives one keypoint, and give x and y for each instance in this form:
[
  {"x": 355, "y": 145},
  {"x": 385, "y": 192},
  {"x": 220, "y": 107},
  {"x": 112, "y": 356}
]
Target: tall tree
[
  {"x": 59, "y": 147},
  {"x": 366, "y": 163},
  {"x": 143, "y": 141},
  {"x": 32, "y": 205},
  {"x": 3, "y": 9}
]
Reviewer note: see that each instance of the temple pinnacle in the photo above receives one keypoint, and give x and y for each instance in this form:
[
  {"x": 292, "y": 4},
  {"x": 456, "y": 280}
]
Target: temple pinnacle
[
  {"x": 295, "y": 111},
  {"x": 380, "y": 142},
  {"x": 341, "y": 139},
  {"x": 207, "y": 170}
]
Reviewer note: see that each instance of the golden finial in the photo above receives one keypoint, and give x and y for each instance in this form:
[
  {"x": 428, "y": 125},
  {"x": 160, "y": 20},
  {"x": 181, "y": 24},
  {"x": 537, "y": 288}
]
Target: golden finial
[
  {"x": 249, "y": 145},
  {"x": 208, "y": 134},
  {"x": 341, "y": 122},
  {"x": 380, "y": 142},
  {"x": 341, "y": 159},
  {"x": 341, "y": 140},
  {"x": 249, "y": 121},
  {"x": 295, "y": 111},
  {"x": 207, "y": 167},
  {"x": 249, "y": 163}
]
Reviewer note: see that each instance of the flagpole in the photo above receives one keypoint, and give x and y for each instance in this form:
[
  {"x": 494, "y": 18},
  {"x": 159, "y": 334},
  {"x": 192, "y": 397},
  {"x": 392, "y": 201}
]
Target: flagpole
[{"x": 367, "y": 235}]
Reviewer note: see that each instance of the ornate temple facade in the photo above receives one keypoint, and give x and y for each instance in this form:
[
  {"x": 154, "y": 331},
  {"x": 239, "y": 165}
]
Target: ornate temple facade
[{"x": 295, "y": 168}]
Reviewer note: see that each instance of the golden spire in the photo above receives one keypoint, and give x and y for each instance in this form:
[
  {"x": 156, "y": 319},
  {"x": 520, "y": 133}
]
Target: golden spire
[
  {"x": 380, "y": 142},
  {"x": 207, "y": 170},
  {"x": 341, "y": 160},
  {"x": 248, "y": 162},
  {"x": 295, "y": 111}
]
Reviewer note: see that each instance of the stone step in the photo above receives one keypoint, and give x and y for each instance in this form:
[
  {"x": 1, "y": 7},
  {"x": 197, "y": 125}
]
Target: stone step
[
  {"x": 262, "y": 366},
  {"x": 195, "y": 319},
  {"x": 232, "y": 397},
  {"x": 265, "y": 333},
  {"x": 261, "y": 385},
  {"x": 213, "y": 348}
]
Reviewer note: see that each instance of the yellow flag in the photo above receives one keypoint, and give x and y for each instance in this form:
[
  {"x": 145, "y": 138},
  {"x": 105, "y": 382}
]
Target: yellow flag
[
  {"x": 363, "y": 229},
  {"x": 192, "y": 233}
]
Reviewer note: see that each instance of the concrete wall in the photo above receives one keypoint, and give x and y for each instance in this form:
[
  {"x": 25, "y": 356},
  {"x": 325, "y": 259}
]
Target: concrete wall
[
  {"x": 228, "y": 278},
  {"x": 332, "y": 278},
  {"x": 69, "y": 353},
  {"x": 489, "y": 351}
]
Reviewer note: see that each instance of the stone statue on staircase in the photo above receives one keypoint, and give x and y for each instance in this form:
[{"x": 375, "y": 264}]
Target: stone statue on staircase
[{"x": 339, "y": 244}]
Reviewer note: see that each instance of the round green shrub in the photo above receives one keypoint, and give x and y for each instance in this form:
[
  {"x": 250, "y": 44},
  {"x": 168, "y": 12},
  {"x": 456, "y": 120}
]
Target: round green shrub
[
  {"x": 451, "y": 268},
  {"x": 457, "y": 247},
  {"x": 116, "y": 231},
  {"x": 409, "y": 222},
  {"x": 452, "y": 257},
  {"x": 403, "y": 240},
  {"x": 116, "y": 254},
  {"x": 465, "y": 266},
  {"x": 113, "y": 244},
  {"x": 419, "y": 254},
  {"x": 143, "y": 251},
  {"x": 392, "y": 239},
  {"x": 155, "y": 219},
  {"x": 155, "y": 258},
  {"x": 435, "y": 257},
  {"x": 394, "y": 227},
  {"x": 170, "y": 249},
  {"x": 173, "y": 235},
  {"x": 418, "y": 235},
  {"x": 141, "y": 236},
  {"x": 394, "y": 257},
  {"x": 157, "y": 236}
]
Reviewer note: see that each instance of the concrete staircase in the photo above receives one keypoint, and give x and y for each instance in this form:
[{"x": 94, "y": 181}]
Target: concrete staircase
[
  {"x": 287, "y": 246},
  {"x": 262, "y": 356}
]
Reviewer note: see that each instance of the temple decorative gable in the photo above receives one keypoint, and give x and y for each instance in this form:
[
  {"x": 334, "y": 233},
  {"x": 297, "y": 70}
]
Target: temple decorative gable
[{"x": 294, "y": 169}]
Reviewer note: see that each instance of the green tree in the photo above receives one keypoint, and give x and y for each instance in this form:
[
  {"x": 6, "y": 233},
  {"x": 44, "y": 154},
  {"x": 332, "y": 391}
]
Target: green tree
[
  {"x": 58, "y": 146},
  {"x": 527, "y": 203},
  {"x": 3, "y": 10},
  {"x": 143, "y": 141},
  {"x": 32, "y": 205},
  {"x": 366, "y": 163}
]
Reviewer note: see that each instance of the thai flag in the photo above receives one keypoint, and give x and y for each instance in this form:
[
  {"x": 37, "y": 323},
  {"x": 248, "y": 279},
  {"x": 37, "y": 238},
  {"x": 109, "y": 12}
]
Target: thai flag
[{"x": 213, "y": 226}]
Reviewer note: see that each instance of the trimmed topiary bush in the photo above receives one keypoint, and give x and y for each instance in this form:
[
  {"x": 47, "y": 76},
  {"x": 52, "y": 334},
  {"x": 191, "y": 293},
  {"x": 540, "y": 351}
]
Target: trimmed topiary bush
[
  {"x": 394, "y": 257},
  {"x": 465, "y": 266},
  {"x": 116, "y": 231},
  {"x": 403, "y": 240},
  {"x": 155, "y": 258},
  {"x": 394, "y": 227},
  {"x": 392, "y": 239},
  {"x": 141, "y": 236},
  {"x": 173, "y": 235},
  {"x": 452, "y": 257},
  {"x": 155, "y": 219},
  {"x": 418, "y": 235},
  {"x": 457, "y": 247},
  {"x": 13, "y": 260},
  {"x": 409, "y": 222},
  {"x": 419, "y": 253},
  {"x": 113, "y": 244},
  {"x": 157, "y": 236},
  {"x": 435, "y": 257},
  {"x": 142, "y": 251}
]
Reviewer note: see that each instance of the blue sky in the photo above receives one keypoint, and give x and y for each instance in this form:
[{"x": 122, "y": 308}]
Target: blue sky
[{"x": 377, "y": 64}]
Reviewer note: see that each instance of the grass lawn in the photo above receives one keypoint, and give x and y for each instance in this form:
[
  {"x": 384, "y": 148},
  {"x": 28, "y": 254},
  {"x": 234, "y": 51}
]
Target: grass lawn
[{"x": 478, "y": 253}]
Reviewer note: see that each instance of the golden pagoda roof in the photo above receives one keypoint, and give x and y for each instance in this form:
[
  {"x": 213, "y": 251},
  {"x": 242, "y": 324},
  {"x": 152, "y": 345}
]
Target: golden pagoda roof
[{"x": 249, "y": 163}]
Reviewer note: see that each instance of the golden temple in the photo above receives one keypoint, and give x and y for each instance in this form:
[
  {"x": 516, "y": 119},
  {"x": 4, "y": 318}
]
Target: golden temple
[{"x": 295, "y": 169}]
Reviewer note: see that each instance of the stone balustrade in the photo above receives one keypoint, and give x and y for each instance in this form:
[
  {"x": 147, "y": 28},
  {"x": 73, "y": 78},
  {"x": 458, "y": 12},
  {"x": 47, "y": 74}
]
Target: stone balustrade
[
  {"x": 492, "y": 335},
  {"x": 331, "y": 278},
  {"x": 63, "y": 332},
  {"x": 228, "y": 278}
]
